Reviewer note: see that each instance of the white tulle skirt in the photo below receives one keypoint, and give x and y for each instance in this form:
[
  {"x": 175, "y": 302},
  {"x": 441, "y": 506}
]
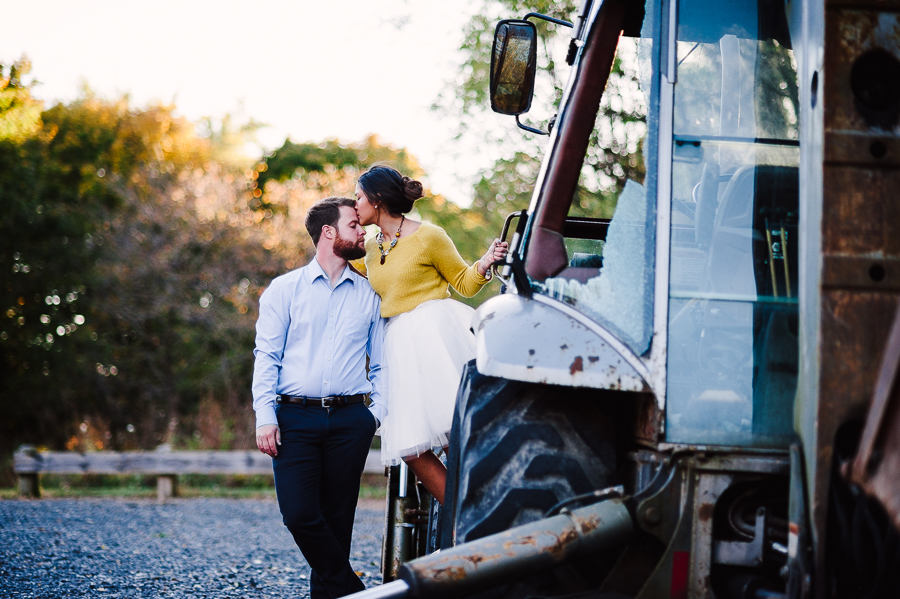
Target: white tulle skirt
[{"x": 425, "y": 351}]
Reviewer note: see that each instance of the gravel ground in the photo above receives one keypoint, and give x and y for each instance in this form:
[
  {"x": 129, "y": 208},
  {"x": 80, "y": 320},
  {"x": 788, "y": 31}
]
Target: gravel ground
[{"x": 206, "y": 547}]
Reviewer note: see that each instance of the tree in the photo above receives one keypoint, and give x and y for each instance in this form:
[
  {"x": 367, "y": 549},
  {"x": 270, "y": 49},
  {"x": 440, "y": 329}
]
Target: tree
[
  {"x": 615, "y": 151},
  {"x": 133, "y": 262},
  {"x": 52, "y": 200}
]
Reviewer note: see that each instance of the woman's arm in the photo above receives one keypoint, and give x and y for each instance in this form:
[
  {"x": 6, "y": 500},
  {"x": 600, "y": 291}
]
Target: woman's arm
[{"x": 467, "y": 280}]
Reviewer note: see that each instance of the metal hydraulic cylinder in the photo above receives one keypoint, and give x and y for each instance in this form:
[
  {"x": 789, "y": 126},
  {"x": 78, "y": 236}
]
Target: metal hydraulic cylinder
[{"x": 519, "y": 552}]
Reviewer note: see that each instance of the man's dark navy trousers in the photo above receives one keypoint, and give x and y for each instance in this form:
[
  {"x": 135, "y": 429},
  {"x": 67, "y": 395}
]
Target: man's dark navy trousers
[{"x": 317, "y": 471}]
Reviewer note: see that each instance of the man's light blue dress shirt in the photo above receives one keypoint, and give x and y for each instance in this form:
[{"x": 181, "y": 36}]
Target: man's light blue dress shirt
[{"x": 312, "y": 340}]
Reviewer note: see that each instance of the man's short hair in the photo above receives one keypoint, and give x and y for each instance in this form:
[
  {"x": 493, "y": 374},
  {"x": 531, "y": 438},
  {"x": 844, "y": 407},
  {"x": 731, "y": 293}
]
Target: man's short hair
[{"x": 325, "y": 212}]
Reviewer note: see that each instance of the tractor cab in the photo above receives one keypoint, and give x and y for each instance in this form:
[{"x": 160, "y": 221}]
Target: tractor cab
[{"x": 687, "y": 277}]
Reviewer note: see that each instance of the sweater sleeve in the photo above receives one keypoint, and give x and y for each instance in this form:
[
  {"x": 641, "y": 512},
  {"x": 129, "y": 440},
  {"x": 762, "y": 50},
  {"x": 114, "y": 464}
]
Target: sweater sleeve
[
  {"x": 359, "y": 266},
  {"x": 446, "y": 259}
]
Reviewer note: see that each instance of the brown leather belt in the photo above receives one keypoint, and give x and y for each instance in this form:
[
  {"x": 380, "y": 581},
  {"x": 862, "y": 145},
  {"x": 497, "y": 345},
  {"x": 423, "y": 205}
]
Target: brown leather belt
[{"x": 332, "y": 401}]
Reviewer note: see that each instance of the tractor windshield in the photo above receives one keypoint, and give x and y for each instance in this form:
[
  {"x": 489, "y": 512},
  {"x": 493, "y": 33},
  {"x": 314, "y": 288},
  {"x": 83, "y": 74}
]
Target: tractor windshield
[
  {"x": 732, "y": 336},
  {"x": 609, "y": 236}
]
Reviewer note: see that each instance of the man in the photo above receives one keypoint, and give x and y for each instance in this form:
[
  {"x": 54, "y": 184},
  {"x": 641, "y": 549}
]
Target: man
[{"x": 316, "y": 325}]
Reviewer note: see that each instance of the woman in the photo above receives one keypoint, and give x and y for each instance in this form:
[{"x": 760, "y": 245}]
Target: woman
[{"x": 427, "y": 341}]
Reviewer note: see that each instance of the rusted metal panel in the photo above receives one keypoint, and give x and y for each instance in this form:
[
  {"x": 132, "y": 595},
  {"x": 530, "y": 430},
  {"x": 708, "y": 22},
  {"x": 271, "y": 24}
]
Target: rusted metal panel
[
  {"x": 650, "y": 419},
  {"x": 708, "y": 489},
  {"x": 763, "y": 464},
  {"x": 860, "y": 228},
  {"x": 855, "y": 328},
  {"x": 851, "y": 34},
  {"x": 877, "y": 464},
  {"x": 861, "y": 4},
  {"x": 861, "y": 272},
  {"x": 861, "y": 213},
  {"x": 849, "y": 148}
]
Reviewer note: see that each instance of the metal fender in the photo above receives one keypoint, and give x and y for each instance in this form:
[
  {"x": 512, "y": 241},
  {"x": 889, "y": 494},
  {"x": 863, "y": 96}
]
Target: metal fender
[{"x": 541, "y": 340}]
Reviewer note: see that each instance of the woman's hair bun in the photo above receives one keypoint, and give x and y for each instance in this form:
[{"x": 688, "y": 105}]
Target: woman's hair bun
[
  {"x": 412, "y": 189},
  {"x": 386, "y": 186}
]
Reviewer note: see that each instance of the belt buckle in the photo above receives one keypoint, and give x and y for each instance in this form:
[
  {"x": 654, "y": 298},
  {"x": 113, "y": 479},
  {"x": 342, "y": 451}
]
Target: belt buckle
[{"x": 328, "y": 402}]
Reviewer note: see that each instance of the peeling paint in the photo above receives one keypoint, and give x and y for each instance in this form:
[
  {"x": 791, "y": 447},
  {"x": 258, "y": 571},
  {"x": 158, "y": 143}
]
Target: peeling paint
[
  {"x": 576, "y": 366},
  {"x": 562, "y": 541},
  {"x": 589, "y": 525},
  {"x": 529, "y": 540},
  {"x": 505, "y": 350},
  {"x": 449, "y": 573},
  {"x": 477, "y": 559}
]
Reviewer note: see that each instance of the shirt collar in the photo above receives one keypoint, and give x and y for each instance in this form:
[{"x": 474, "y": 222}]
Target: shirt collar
[{"x": 316, "y": 271}]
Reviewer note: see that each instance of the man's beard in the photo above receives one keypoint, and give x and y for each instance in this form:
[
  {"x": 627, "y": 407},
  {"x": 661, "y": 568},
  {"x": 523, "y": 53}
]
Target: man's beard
[{"x": 348, "y": 250}]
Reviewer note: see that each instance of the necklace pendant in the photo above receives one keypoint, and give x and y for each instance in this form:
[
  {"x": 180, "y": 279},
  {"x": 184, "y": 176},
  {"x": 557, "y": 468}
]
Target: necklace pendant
[{"x": 382, "y": 258}]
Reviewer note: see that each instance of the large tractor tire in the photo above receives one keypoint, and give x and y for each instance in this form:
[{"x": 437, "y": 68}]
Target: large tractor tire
[{"x": 518, "y": 449}]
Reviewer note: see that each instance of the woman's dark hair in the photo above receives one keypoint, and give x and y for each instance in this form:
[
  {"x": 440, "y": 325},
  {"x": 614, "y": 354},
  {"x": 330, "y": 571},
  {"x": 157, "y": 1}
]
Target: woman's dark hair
[{"x": 385, "y": 186}]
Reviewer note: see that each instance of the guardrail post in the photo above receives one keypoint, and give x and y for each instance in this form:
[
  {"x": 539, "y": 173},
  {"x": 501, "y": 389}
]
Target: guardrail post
[
  {"x": 29, "y": 478},
  {"x": 29, "y": 484},
  {"x": 166, "y": 486}
]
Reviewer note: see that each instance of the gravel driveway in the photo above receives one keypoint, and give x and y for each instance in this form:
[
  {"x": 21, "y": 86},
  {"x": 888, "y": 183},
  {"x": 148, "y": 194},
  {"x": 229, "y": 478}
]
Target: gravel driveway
[{"x": 207, "y": 547}]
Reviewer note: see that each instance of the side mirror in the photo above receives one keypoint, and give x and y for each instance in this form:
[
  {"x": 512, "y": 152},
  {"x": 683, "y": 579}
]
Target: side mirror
[{"x": 513, "y": 66}]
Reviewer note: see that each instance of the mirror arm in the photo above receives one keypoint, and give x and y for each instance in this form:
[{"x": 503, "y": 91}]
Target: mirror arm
[
  {"x": 538, "y": 15},
  {"x": 576, "y": 41},
  {"x": 531, "y": 129}
]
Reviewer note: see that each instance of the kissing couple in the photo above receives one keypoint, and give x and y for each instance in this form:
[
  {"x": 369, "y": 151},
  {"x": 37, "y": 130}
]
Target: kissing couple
[{"x": 318, "y": 325}]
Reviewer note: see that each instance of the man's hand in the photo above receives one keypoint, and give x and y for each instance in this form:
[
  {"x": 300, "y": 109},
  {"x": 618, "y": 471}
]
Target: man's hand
[{"x": 268, "y": 437}]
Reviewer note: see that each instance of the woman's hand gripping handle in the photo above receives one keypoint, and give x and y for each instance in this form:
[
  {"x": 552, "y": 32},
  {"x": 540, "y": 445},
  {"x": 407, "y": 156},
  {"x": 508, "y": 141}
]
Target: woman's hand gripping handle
[{"x": 496, "y": 253}]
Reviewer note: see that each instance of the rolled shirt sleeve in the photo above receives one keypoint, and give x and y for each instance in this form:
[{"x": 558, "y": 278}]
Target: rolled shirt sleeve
[
  {"x": 271, "y": 333},
  {"x": 374, "y": 348}
]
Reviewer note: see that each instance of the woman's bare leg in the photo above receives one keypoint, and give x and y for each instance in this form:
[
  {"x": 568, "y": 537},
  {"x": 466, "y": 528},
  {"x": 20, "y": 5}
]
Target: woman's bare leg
[{"x": 432, "y": 473}]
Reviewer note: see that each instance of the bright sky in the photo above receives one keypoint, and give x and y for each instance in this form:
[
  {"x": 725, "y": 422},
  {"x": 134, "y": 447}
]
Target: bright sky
[{"x": 309, "y": 69}]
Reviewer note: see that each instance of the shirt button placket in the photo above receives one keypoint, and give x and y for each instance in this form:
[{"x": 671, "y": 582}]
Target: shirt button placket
[{"x": 329, "y": 363}]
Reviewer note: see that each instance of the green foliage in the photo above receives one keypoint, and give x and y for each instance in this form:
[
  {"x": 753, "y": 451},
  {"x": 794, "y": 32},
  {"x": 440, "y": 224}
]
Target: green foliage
[
  {"x": 293, "y": 160},
  {"x": 312, "y": 158},
  {"x": 132, "y": 265},
  {"x": 19, "y": 112}
]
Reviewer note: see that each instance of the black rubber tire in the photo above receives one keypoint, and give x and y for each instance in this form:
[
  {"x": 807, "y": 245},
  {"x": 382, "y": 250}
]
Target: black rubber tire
[{"x": 520, "y": 449}]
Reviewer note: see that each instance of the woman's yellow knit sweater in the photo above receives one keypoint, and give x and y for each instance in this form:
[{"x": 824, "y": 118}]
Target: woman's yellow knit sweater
[{"x": 420, "y": 268}]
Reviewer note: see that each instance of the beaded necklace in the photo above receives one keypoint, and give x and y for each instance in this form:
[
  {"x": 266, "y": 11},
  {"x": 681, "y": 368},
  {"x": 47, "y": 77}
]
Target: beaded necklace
[{"x": 379, "y": 238}]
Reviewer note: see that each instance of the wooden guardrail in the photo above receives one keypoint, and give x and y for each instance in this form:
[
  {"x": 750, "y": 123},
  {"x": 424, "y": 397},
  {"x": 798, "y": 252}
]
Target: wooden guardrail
[{"x": 165, "y": 464}]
